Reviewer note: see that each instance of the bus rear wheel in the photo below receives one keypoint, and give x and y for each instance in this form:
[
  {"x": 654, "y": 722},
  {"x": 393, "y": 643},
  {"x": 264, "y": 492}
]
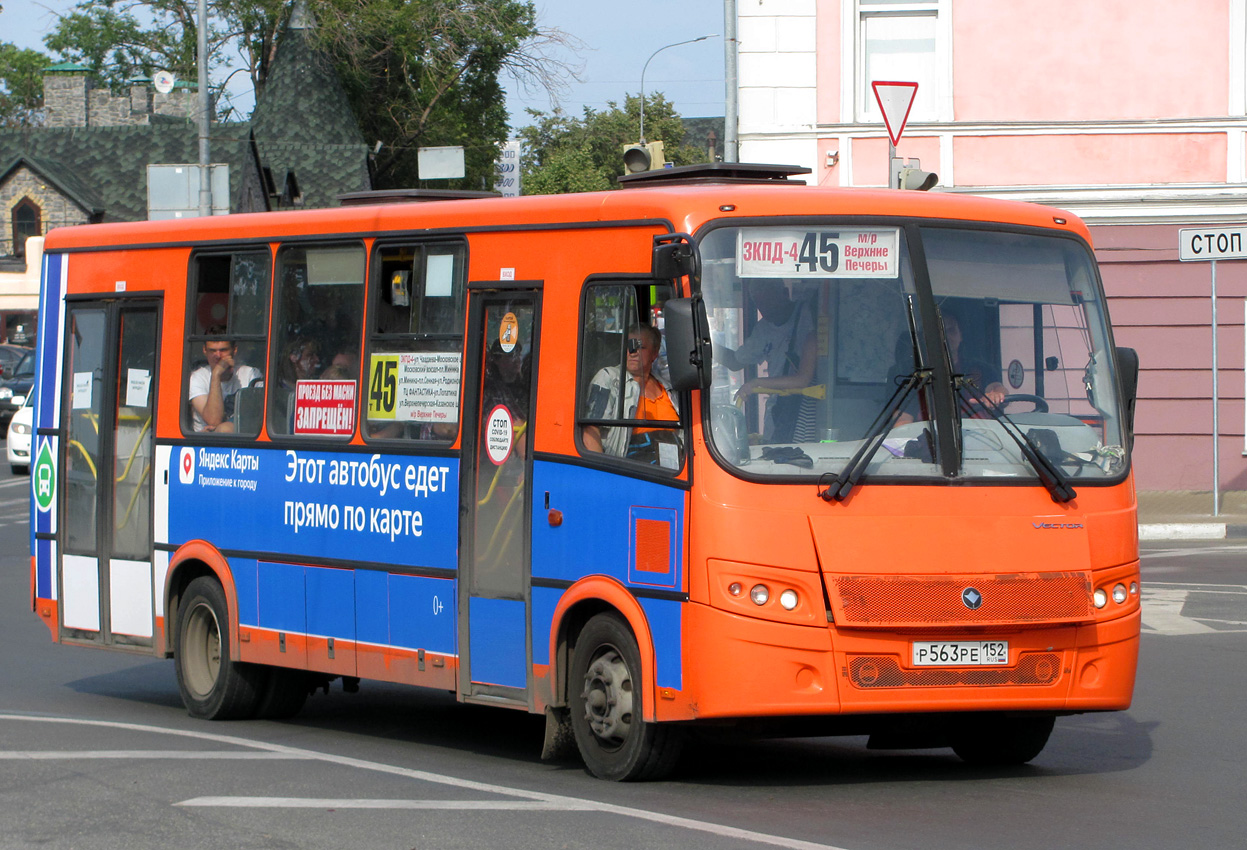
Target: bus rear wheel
[
  {"x": 1001, "y": 741},
  {"x": 606, "y": 707},
  {"x": 213, "y": 685}
]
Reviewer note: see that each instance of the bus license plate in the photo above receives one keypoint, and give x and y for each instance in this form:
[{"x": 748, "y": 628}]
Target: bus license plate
[{"x": 960, "y": 653}]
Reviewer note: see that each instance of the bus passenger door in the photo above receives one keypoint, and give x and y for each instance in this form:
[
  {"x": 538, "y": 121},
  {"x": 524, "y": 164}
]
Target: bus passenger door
[
  {"x": 496, "y": 488},
  {"x": 105, "y": 538}
]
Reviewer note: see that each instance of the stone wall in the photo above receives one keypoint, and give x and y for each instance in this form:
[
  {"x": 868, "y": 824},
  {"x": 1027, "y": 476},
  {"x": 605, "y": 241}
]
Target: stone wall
[
  {"x": 71, "y": 102},
  {"x": 56, "y": 210},
  {"x": 65, "y": 99}
]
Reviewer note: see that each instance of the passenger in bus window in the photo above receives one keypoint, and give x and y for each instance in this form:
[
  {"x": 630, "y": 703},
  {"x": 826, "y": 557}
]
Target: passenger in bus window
[
  {"x": 645, "y": 396},
  {"x": 346, "y": 361},
  {"x": 300, "y": 361},
  {"x": 214, "y": 386},
  {"x": 507, "y": 378},
  {"x": 784, "y": 339}
]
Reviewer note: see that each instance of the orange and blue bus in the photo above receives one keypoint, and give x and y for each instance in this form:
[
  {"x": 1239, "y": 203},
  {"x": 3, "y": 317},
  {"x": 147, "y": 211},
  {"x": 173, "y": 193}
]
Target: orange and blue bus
[{"x": 718, "y": 448}]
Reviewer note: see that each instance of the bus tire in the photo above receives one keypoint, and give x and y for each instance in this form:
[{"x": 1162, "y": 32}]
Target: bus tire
[
  {"x": 1000, "y": 741},
  {"x": 283, "y": 693},
  {"x": 606, "y": 707},
  {"x": 213, "y": 685}
]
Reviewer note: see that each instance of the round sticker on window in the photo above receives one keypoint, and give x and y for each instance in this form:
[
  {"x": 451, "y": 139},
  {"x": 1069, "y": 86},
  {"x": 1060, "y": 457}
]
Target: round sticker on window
[
  {"x": 509, "y": 332},
  {"x": 498, "y": 435}
]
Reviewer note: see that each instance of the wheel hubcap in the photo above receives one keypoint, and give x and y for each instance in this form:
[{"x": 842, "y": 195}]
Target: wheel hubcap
[
  {"x": 607, "y": 696},
  {"x": 203, "y": 656}
]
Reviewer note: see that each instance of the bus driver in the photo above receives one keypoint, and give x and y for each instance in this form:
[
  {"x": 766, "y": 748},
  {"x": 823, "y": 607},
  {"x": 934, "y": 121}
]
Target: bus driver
[{"x": 645, "y": 396}]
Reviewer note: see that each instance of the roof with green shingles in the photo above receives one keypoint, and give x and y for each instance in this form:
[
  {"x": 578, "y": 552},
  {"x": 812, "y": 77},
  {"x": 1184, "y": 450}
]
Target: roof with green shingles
[
  {"x": 109, "y": 164},
  {"x": 302, "y": 123}
]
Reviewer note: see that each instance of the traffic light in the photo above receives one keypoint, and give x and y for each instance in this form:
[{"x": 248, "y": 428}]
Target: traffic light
[
  {"x": 909, "y": 175},
  {"x": 643, "y": 157}
]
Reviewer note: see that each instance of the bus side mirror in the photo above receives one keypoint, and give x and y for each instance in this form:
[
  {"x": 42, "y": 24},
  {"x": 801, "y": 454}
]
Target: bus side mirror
[
  {"x": 674, "y": 257},
  {"x": 688, "y": 343},
  {"x": 1128, "y": 369}
]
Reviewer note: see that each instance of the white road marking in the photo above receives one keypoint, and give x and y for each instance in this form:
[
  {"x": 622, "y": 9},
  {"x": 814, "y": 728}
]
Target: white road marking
[
  {"x": 53, "y": 755},
  {"x": 533, "y": 798},
  {"x": 1163, "y": 603},
  {"x": 338, "y": 803},
  {"x": 1162, "y": 612},
  {"x": 1232, "y": 589},
  {"x": 1187, "y": 553}
]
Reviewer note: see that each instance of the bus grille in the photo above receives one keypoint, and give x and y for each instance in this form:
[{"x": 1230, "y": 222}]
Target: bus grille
[
  {"x": 883, "y": 671},
  {"x": 940, "y": 600}
]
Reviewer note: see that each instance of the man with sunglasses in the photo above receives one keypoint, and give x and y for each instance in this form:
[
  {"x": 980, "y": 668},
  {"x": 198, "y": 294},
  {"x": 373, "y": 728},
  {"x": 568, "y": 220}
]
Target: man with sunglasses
[{"x": 644, "y": 396}]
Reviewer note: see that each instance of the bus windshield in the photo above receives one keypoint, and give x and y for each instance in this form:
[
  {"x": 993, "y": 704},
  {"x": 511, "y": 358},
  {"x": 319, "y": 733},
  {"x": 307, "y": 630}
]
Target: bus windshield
[{"x": 822, "y": 347}]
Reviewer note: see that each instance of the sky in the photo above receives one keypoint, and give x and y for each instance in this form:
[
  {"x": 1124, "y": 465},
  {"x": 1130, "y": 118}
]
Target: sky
[{"x": 615, "y": 42}]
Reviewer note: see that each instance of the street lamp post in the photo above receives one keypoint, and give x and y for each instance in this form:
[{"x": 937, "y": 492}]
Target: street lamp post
[
  {"x": 205, "y": 177},
  {"x": 646, "y": 65}
]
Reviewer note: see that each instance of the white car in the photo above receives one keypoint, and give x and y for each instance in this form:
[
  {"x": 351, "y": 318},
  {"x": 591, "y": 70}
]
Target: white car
[{"x": 19, "y": 441}]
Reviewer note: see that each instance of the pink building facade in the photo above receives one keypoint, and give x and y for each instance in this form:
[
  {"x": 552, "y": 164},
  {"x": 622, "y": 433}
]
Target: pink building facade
[{"x": 1130, "y": 113}]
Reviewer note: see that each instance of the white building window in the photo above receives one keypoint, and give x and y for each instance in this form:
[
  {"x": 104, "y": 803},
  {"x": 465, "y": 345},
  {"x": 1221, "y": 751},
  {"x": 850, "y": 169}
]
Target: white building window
[{"x": 902, "y": 40}]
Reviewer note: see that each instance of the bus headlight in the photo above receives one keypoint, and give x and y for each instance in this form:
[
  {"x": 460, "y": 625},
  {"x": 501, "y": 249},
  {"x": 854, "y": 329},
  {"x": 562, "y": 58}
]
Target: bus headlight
[
  {"x": 1119, "y": 593},
  {"x": 788, "y": 599},
  {"x": 760, "y": 594},
  {"x": 1100, "y": 598}
]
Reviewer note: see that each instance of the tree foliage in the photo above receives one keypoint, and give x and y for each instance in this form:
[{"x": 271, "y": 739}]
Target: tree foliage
[
  {"x": 119, "y": 40},
  {"x": 21, "y": 86},
  {"x": 564, "y": 154},
  {"x": 424, "y": 73},
  {"x": 419, "y": 73}
]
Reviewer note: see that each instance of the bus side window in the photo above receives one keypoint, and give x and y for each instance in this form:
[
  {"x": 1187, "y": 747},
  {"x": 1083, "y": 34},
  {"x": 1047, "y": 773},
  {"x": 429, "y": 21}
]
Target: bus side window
[
  {"x": 315, "y": 367},
  {"x": 415, "y": 348},
  {"x": 228, "y": 333},
  {"x": 622, "y": 378}
]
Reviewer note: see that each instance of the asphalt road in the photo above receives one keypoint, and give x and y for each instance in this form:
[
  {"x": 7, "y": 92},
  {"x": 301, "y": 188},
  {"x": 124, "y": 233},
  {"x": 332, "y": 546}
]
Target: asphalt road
[{"x": 96, "y": 751}]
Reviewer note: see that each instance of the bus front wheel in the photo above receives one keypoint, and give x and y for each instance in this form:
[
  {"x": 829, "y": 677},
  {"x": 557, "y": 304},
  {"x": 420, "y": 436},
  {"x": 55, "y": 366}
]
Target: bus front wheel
[
  {"x": 213, "y": 685},
  {"x": 1001, "y": 741},
  {"x": 606, "y": 707}
]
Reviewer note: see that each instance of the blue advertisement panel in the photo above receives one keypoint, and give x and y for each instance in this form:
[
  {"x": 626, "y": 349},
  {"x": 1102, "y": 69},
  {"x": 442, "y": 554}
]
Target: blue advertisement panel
[{"x": 384, "y": 509}]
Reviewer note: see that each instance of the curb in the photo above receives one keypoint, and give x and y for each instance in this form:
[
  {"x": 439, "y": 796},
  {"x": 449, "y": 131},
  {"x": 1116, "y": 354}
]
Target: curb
[{"x": 1191, "y": 531}]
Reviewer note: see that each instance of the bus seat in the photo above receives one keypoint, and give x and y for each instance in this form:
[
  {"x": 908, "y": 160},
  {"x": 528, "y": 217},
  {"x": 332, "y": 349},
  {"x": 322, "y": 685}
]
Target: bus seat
[{"x": 249, "y": 409}]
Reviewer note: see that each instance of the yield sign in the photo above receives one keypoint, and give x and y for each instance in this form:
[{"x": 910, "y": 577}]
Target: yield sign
[{"x": 895, "y": 100}]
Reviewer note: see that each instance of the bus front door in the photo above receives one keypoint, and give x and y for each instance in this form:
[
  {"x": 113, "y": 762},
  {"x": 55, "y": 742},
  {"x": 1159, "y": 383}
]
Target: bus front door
[
  {"x": 105, "y": 537},
  {"x": 496, "y": 490}
]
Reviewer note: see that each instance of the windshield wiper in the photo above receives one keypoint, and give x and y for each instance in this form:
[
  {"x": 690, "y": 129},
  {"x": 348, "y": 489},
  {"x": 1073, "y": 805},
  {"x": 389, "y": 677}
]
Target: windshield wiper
[
  {"x": 844, "y": 483},
  {"x": 1050, "y": 475}
]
